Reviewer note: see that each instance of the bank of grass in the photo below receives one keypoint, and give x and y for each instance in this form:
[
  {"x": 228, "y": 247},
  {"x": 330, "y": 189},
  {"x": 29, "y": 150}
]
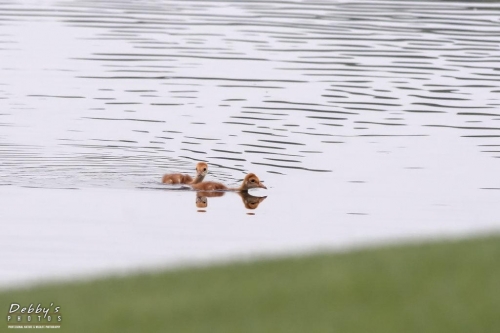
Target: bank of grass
[{"x": 434, "y": 287}]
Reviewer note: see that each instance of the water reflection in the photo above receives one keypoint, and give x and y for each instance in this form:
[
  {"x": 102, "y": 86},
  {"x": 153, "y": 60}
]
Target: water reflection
[{"x": 249, "y": 201}]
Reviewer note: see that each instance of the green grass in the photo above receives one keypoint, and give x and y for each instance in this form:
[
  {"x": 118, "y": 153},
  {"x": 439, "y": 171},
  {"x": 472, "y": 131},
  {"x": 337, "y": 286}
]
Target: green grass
[{"x": 435, "y": 287}]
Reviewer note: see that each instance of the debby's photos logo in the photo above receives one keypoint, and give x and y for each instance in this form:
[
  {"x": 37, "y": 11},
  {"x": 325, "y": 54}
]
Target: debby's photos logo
[{"x": 34, "y": 316}]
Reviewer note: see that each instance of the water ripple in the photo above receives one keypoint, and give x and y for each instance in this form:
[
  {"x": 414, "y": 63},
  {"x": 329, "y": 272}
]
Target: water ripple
[{"x": 132, "y": 90}]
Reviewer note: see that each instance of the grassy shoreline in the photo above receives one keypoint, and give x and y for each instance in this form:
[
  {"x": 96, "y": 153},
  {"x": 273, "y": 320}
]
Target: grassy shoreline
[{"x": 449, "y": 286}]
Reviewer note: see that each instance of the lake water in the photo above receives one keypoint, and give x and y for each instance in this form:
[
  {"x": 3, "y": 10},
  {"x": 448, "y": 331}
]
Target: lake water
[{"x": 368, "y": 121}]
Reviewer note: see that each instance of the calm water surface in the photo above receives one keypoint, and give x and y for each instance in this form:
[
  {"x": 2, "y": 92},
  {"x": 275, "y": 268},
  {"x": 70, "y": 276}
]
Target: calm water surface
[{"x": 367, "y": 121}]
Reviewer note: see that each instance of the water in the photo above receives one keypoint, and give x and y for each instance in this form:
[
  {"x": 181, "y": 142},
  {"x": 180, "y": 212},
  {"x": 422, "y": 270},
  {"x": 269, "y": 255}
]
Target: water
[{"x": 367, "y": 121}]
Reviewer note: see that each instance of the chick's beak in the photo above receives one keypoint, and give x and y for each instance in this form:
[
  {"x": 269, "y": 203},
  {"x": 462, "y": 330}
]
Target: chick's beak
[{"x": 262, "y": 186}]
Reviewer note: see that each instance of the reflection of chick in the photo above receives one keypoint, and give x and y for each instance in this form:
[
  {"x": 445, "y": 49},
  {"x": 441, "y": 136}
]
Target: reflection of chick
[
  {"x": 201, "y": 202},
  {"x": 201, "y": 198},
  {"x": 250, "y": 201},
  {"x": 250, "y": 181},
  {"x": 209, "y": 194},
  {"x": 177, "y": 178}
]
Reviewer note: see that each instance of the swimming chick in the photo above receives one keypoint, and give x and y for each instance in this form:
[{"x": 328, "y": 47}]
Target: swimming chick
[
  {"x": 177, "y": 178},
  {"x": 250, "y": 181}
]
